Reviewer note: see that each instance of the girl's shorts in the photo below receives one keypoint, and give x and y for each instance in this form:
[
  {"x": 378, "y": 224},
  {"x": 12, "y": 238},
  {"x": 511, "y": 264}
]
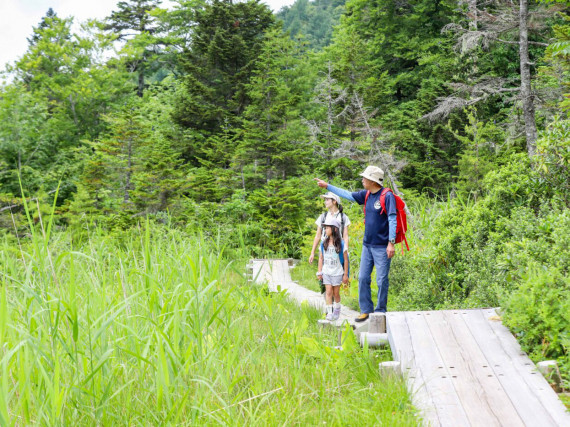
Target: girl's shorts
[{"x": 332, "y": 280}]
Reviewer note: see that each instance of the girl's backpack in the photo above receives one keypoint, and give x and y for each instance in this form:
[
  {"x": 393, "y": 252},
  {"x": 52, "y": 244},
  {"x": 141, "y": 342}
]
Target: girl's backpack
[
  {"x": 401, "y": 218},
  {"x": 340, "y": 255}
]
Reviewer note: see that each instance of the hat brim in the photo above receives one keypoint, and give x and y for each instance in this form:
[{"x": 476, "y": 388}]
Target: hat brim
[
  {"x": 324, "y": 196},
  {"x": 327, "y": 224}
]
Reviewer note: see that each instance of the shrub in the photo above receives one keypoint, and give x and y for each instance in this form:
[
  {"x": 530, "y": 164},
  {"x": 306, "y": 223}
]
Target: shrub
[{"x": 538, "y": 312}]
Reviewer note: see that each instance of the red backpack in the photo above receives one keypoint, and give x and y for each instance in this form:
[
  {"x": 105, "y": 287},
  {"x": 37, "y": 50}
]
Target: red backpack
[{"x": 401, "y": 218}]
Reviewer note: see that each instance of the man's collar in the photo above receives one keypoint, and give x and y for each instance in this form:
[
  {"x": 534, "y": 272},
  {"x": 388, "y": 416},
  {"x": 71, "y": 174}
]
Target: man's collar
[{"x": 376, "y": 192}]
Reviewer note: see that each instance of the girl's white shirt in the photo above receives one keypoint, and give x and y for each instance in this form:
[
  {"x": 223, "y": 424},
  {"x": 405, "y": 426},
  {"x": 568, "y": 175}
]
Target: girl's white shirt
[{"x": 331, "y": 261}]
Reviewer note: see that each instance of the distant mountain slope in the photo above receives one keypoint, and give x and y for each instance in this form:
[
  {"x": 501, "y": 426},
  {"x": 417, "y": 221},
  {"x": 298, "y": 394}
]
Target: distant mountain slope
[{"x": 312, "y": 19}]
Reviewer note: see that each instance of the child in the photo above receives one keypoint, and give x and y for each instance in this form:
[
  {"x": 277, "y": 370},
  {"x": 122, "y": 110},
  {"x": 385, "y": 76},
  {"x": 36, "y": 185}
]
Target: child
[
  {"x": 333, "y": 271},
  {"x": 334, "y": 210}
]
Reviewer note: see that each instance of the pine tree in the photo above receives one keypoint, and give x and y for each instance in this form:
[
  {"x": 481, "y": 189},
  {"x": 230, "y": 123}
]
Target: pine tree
[
  {"x": 225, "y": 43},
  {"x": 118, "y": 156},
  {"x": 133, "y": 22},
  {"x": 273, "y": 137}
]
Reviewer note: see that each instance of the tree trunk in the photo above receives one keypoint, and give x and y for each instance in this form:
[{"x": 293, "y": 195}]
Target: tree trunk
[
  {"x": 129, "y": 169},
  {"x": 526, "y": 90},
  {"x": 140, "y": 88}
]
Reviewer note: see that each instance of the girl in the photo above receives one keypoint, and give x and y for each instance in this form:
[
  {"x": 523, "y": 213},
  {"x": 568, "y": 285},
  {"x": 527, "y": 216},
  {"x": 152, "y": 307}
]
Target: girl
[
  {"x": 333, "y": 267},
  {"x": 334, "y": 210}
]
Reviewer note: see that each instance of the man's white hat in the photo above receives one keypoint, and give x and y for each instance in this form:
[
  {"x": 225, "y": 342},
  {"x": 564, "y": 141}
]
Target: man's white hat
[
  {"x": 373, "y": 173},
  {"x": 333, "y": 196}
]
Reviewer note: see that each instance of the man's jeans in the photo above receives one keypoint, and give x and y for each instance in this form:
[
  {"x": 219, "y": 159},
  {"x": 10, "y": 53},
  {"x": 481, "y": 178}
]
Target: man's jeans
[{"x": 373, "y": 257}]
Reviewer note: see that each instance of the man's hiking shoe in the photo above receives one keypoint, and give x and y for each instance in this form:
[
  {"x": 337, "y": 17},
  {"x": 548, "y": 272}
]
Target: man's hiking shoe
[
  {"x": 362, "y": 317},
  {"x": 329, "y": 317},
  {"x": 336, "y": 313}
]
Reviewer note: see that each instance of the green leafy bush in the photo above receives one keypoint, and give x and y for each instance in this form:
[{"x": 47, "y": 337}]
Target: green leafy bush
[{"x": 538, "y": 312}]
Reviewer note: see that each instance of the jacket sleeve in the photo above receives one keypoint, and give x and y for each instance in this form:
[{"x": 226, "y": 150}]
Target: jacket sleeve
[
  {"x": 392, "y": 223},
  {"x": 345, "y": 194}
]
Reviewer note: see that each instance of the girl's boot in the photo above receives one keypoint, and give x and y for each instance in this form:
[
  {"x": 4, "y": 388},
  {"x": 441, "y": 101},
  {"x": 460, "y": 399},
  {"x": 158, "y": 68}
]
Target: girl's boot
[
  {"x": 329, "y": 312},
  {"x": 336, "y": 311}
]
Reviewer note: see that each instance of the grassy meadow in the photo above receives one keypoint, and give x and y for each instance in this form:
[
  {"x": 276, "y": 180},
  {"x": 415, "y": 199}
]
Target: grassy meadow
[{"x": 151, "y": 326}]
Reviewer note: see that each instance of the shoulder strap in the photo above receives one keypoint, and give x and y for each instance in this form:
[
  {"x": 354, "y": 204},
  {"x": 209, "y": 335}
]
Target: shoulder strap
[
  {"x": 323, "y": 219},
  {"x": 385, "y": 190}
]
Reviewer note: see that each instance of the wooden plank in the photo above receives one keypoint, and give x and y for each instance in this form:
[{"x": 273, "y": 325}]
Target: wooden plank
[
  {"x": 403, "y": 351},
  {"x": 480, "y": 392},
  {"x": 276, "y": 273},
  {"x": 528, "y": 406},
  {"x": 529, "y": 373},
  {"x": 437, "y": 377}
]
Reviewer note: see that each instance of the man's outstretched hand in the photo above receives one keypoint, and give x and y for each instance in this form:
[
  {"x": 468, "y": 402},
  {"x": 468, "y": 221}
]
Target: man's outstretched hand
[{"x": 321, "y": 183}]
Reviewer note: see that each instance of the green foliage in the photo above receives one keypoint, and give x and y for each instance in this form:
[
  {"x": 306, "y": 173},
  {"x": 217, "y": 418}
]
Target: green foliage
[
  {"x": 538, "y": 313},
  {"x": 272, "y": 132},
  {"x": 477, "y": 159},
  {"x": 312, "y": 21},
  {"x": 135, "y": 23},
  {"x": 234, "y": 121},
  {"x": 509, "y": 248},
  {"x": 60, "y": 89},
  {"x": 280, "y": 206},
  {"x": 553, "y": 159},
  {"x": 160, "y": 315},
  {"x": 225, "y": 40}
]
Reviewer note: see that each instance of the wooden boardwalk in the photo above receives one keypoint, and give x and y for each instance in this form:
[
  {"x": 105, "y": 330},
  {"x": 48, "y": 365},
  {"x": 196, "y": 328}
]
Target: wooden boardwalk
[
  {"x": 463, "y": 367},
  {"x": 276, "y": 274}
]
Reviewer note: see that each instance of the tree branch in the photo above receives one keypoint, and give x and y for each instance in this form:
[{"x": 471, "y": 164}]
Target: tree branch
[
  {"x": 530, "y": 42},
  {"x": 5, "y": 208}
]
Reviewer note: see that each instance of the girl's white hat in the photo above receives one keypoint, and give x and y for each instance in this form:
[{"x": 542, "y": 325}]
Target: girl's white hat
[
  {"x": 333, "y": 196},
  {"x": 332, "y": 221}
]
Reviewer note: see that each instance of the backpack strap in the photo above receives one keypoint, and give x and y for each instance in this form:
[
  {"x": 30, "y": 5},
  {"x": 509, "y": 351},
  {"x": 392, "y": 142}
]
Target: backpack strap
[
  {"x": 385, "y": 190},
  {"x": 323, "y": 218}
]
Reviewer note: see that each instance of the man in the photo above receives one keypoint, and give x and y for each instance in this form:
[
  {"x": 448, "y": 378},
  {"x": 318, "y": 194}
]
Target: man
[{"x": 379, "y": 238}]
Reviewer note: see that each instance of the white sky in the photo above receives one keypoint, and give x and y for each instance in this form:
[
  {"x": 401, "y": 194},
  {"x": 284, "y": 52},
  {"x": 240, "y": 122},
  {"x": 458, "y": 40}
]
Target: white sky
[{"x": 17, "y": 17}]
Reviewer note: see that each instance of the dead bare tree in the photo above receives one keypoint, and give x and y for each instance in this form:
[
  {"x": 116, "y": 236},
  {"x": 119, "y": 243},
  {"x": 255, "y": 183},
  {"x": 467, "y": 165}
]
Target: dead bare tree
[
  {"x": 505, "y": 20},
  {"x": 330, "y": 94},
  {"x": 380, "y": 153}
]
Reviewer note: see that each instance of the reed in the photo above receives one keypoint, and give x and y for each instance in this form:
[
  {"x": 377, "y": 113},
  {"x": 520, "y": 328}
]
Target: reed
[{"x": 151, "y": 326}]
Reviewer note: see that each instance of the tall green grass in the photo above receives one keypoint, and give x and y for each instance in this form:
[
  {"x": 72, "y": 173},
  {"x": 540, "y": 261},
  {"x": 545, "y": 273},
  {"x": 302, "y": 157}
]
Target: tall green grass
[{"x": 152, "y": 327}]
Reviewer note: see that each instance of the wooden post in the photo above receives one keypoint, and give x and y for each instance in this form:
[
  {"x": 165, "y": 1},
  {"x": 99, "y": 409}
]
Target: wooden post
[
  {"x": 377, "y": 323},
  {"x": 549, "y": 369},
  {"x": 373, "y": 339}
]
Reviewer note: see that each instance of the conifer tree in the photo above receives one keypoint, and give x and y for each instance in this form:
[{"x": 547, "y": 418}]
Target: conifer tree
[
  {"x": 273, "y": 136},
  {"x": 118, "y": 155},
  {"x": 225, "y": 43},
  {"x": 133, "y": 22}
]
